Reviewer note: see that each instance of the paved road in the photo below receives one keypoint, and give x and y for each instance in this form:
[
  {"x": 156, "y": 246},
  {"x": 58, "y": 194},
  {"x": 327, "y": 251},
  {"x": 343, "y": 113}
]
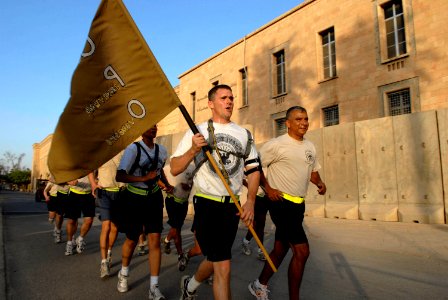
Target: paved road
[{"x": 349, "y": 260}]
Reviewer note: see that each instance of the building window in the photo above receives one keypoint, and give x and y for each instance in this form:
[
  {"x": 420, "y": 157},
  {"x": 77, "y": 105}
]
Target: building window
[
  {"x": 280, "y": 73},
  {"x": 331, "y": 115},
  {"x": 399, "y": 102},
  {"x": 193, "y": 103},
  {"x": 395, "y": 29},
  {"x": 280, "y": 126},
  {"x": 243, "y": 79},
  {"x": 329, "y": 53}
]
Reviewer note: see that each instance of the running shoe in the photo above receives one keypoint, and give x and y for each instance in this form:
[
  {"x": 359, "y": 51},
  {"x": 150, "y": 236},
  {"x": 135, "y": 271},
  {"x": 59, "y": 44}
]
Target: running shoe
[
  {"x": 182, "y": 261},
  {"x": 104, "y": 270},
  {"x": 166, "y": 246},
  {"x": 69, "y": 248},
  {"x": 260, "y": 255},
  {"x": 155, "y": 294},
  {"x": 80, "y": 244},
  {"x": 109, "y": 259},
  {"x": 245, "y": 248},
  {"x": 122, "y": 285},
  {"x": 141, "y": 250},
  {"x": 57, "y": 237},
  {"x": 185, "y": 294},
  {"x": 261, "y": 293}
]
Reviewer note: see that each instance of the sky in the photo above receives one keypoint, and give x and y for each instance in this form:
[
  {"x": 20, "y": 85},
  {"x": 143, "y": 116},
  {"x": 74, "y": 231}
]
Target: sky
[{"x": 42, "y": 42}]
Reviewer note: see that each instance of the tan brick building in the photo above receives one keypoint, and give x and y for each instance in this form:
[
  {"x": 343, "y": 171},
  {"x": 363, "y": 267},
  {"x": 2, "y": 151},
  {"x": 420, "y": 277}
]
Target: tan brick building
[{"x": 345, "y": 61}]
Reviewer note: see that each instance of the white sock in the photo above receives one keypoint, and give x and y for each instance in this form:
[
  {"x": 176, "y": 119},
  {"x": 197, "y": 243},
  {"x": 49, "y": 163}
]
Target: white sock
[
  {"x": 166, "y": 241},
  {"x": 259, "y": 285},
  {"x": 104, "y": 261},
  {"x": 154, "y": 280},
  {"x": 109, "y": 253},
  {"x": 245, "y": 241},
  {"x": 69, "y": 242},
  {"x": 193, "y": 284},
  {"x": 124, "y": 271}
]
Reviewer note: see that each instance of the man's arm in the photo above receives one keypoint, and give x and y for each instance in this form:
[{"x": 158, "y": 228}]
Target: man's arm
[
  {"x": 253, "y": 182},
  {"x": 122, "y": 176},
  {"x": 315, "y": 178},
  {"x": 179, "y": 164},
  {"x": 93, "y": 183},
  {"x": 163, "y": 182},
  {"x": 273, "y": 194}
]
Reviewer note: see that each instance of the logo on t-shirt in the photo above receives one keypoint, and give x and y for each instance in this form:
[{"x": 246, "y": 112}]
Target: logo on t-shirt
[
  {"x": 309, "y": 157},
  {"x": 227, "y": 145}
]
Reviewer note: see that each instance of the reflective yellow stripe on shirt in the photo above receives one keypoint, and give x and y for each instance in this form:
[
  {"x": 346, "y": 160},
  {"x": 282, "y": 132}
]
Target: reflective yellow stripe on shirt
[{"x": 295, "y": 199}]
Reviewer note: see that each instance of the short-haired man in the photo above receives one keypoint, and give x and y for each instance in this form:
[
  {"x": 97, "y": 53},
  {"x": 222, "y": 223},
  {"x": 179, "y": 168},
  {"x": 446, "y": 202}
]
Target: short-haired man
[
  {"x": 216, "y": 217},
  {"x": 141, "y": 167},
  {"x": 291, "y": 164}
]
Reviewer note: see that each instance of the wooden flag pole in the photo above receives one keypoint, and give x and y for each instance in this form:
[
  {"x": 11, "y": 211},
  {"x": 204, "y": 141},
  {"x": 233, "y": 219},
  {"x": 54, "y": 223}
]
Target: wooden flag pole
[{"x": 226, "y": 185}]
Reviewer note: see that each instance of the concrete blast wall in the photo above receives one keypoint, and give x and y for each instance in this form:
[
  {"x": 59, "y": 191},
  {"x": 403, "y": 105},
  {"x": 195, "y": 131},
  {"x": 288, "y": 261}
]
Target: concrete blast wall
[{"x": 388, "y": 169}]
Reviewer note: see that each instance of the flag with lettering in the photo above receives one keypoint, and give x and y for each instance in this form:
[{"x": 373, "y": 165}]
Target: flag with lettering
[{"x": 118, "y": 91}]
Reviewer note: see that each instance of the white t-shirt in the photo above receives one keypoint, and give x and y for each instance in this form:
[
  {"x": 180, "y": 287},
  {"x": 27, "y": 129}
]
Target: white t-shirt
[
  {"x": 289, "y": 163},
  {"x": 130, "y": 154},
  {"x": 229, "y": 137},
  {"x": 182, "y": 183}
]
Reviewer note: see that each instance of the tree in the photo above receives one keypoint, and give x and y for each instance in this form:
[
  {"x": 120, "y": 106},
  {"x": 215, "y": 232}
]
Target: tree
[
  {"x": 20, "y": 177},
  {"x": 12, "y": 161}
]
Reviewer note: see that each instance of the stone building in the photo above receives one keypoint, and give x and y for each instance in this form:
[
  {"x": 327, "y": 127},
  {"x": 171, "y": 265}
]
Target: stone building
[{"x": 345, "y": 61}]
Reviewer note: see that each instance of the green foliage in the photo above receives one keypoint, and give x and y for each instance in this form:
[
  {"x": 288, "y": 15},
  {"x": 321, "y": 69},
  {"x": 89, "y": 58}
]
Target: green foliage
[{"x": 20, "y": 176}]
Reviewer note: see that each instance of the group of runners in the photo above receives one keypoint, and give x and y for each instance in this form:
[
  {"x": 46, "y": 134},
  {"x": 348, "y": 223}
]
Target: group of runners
[{"x": 128, "y": 190}]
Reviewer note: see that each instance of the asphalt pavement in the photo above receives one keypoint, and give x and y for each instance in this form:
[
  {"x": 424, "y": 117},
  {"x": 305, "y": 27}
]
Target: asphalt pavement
[{"x": 350, "y": 259}]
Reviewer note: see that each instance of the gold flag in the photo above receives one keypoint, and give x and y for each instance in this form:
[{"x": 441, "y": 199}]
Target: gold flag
[{"x": 118, "y": 91}]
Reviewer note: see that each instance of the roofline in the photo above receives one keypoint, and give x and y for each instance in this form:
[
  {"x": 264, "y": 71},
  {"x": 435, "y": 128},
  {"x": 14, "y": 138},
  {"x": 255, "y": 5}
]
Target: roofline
[{"x": 278, "y": 19}]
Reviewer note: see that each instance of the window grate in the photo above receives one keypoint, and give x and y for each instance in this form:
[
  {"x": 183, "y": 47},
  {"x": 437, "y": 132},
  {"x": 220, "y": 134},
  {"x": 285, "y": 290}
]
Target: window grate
[
  {"x": 331, "y": 115},
  {"x": 280, "y": 126},
  {"x": 399, "y": 102}
]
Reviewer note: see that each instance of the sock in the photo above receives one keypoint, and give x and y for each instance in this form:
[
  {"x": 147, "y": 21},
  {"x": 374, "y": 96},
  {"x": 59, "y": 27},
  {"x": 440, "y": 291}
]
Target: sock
[
  {"x": 80, "y": 238},
  {"x": 245, "y": 241},
  {"x": 154, "y": 280},
  {"x": 193, "y": 284},
  {"x": 104, "y": 261},
  {"x": 109, "y": 253},
  {"x": 124, "y": 271},
  {"x": 166, "y": 241},
  {"x": 69, "y": 242},
  {"x": 259, "y": 285}
]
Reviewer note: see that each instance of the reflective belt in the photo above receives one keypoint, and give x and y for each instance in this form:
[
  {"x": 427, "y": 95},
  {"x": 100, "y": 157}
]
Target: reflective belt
[
  {"x": 79, "y": 192},
  {"x": 143, "y": 192},
  {"x": 221, "y": 199},
  {"x": 63, "y": 192},
  {"x": 295, "y": 199},
  {"x": 112, "y": 189},
  {"x": 178, "y": 200},
  {"x": 54, "y": 195}
]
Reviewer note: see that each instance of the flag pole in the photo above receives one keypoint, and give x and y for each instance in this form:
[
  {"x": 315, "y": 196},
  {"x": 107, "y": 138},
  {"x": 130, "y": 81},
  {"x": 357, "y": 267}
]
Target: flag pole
[{"x": 195, "y": 130}]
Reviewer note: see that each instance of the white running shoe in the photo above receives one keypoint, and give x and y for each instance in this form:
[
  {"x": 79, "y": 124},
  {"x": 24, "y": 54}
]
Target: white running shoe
[
  {"x": 57, "y": 236},
  {"x": 104, "y": 270},
  {"x": 80, "y": 245},
  {"x": 122, "y": 285},
  {"x": 260, "y": 255},
  {"x": 69, "y": 248},
  {"x": 155, "y": 294},
  {"x": 185, "y": 294},
  {"x": 246, "y": 248},
  {"x": 261, "y": 293}
]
